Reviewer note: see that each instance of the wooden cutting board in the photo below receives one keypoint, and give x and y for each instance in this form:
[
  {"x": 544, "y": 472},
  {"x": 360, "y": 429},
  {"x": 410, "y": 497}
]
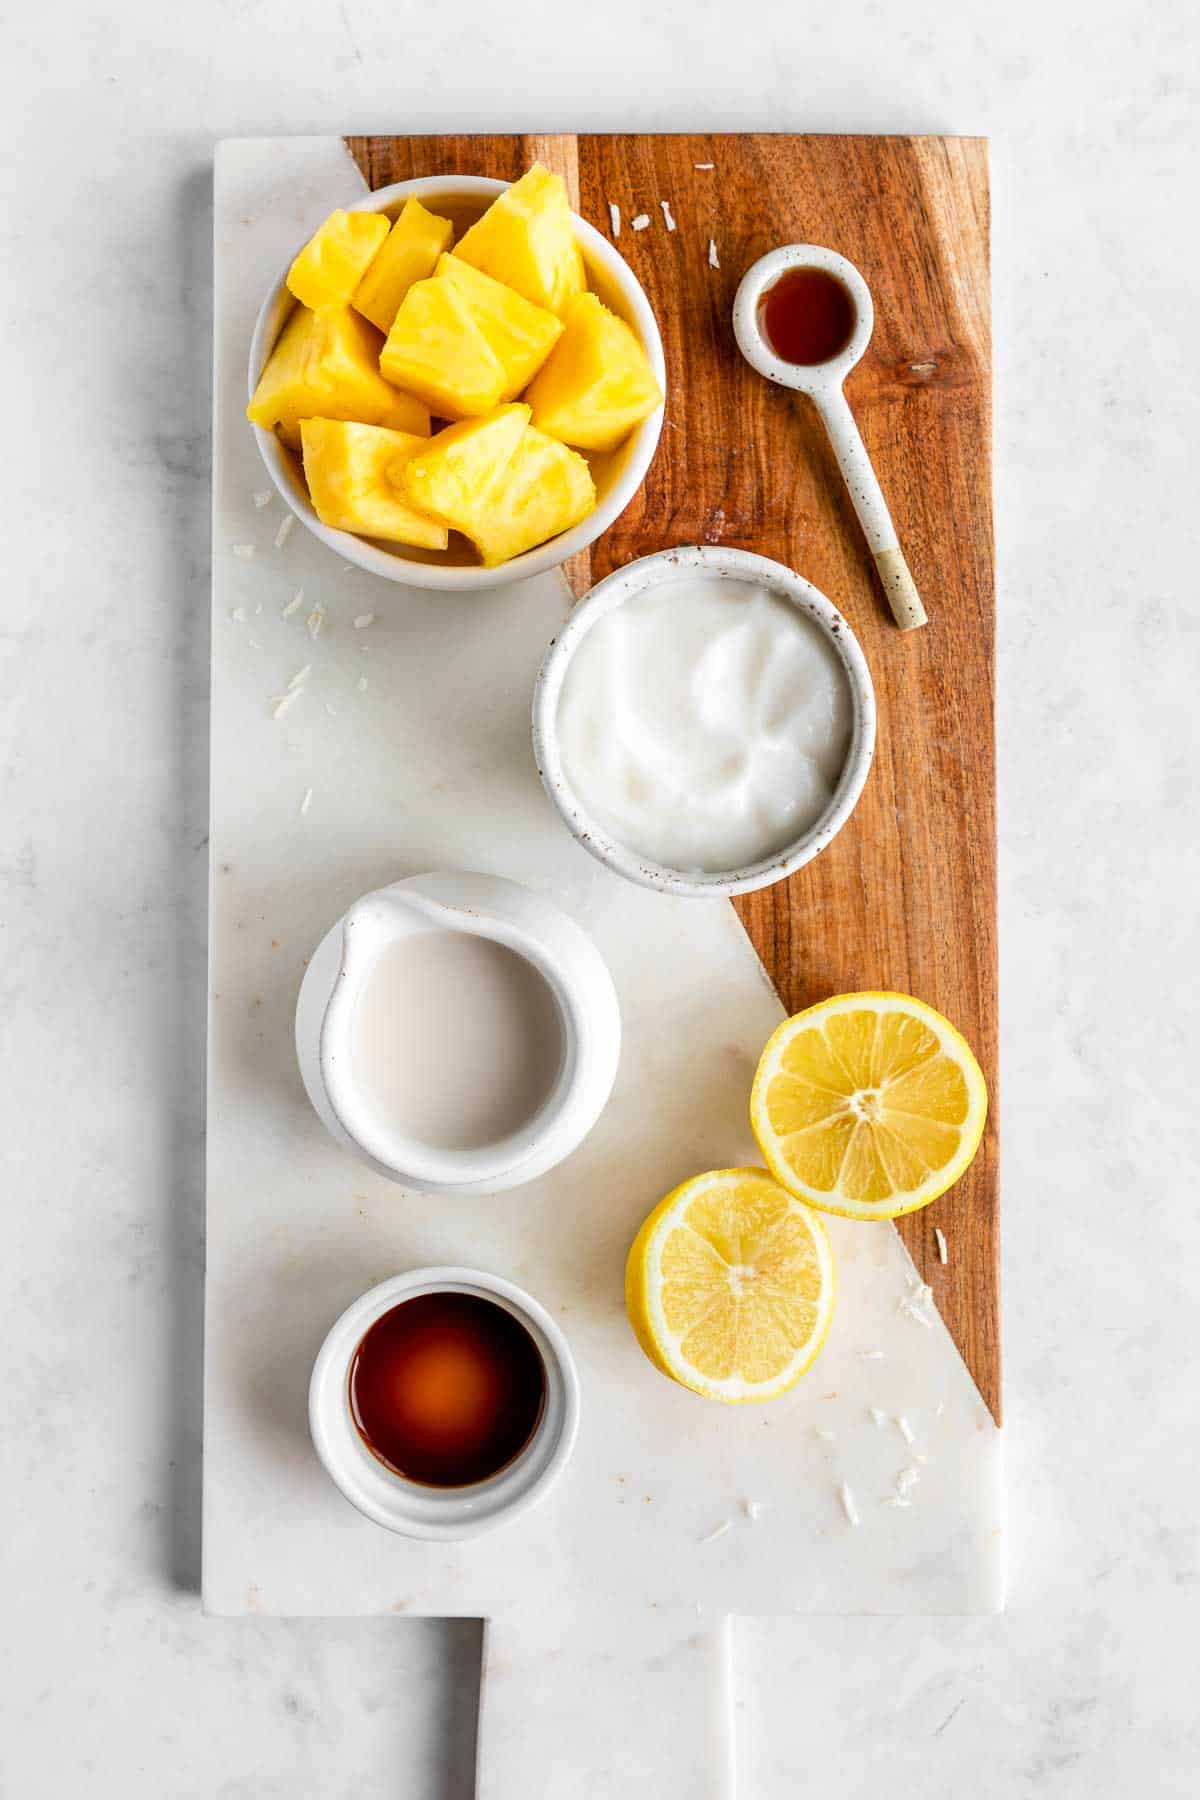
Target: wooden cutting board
[{"x": 906, "y": 896}]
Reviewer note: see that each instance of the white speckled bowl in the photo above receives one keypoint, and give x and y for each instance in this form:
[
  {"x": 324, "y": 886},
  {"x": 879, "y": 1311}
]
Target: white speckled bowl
[
  {"x": 617, "y": 477},
  {"x": 410, "y": 1507},
  {"x": 635, "y": 578}
]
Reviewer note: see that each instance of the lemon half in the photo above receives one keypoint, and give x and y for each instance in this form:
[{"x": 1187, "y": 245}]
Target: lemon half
[
  {"x": 869, "y": 1105},
  {"x": 729, "y": 1286}
]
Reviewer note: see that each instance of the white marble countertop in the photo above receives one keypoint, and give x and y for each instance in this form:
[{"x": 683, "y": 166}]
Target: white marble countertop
[{"x": 113, "y": 1684}]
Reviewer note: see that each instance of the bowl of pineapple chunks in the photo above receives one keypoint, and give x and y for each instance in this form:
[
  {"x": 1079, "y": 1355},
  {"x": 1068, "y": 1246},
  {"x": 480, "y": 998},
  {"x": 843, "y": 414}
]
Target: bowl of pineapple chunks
[{"x": 457, "y": 382}]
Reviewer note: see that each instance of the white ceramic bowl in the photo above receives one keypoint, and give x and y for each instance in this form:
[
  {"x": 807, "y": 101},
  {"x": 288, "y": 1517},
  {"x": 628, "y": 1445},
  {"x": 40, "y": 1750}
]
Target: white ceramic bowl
[
  {"x": 410, "y": 1507},
  {"x": 488, "y": 906},
  {"x": 617, "y": 477},
  {"x": 636, "y": 578}
]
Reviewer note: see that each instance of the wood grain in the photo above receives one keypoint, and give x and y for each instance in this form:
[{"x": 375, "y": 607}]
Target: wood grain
[{"x": 906, "y": 896}]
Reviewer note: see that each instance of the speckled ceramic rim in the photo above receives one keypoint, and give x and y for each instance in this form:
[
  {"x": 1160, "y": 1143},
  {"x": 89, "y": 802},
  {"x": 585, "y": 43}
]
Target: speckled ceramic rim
[
  {"x": 619, "y": 483},
  {"x": 444, "y": 1514},
  {"x": 810, "y": 378},
  {"x": 636, "y": 578}
]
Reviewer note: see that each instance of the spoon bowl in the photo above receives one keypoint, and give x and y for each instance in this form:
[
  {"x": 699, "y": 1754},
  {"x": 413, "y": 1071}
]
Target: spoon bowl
[{"x": 756, "y": 347}]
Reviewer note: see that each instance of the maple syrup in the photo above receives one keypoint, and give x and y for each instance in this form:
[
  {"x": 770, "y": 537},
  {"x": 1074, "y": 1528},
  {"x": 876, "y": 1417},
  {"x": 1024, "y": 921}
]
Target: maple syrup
[
  {"x": 447, "y": 1389},
  {"x": 807, "y": 316}
]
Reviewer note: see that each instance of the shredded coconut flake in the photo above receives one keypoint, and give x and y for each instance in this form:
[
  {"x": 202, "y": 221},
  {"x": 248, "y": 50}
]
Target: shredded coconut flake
[
  {"x": 829, "y": 1436},
  {"x": 871, "y": 1355},
  {"x": 717, "y": 1531},
  {"x": 294, "y": 604},
  {"x": 363, "y": 620},
  {"x": 306, "y": 802},
  {"x": 262, "y": 498},
  {"x": 907, "y": 1480},
  {"x": 286, "y": 527},
  {"x": 848, "y": 1505},
  {"x": 896, "y": 1500},
  {"x": 254, "y": 643},
  {"x": 243, "y": 552},
  {"x": 714, "y": 261},
  {"x": 614, "y": 218},
  {"x": 281, "y": 703},
  {"x": 331, "y": 710},
  {"x": 943, "y": 1253},
  {"x": 300, "y": 675},
  {"x": 668, "y": 216},
  {"x": 752, "y": 1509},
  {"x": 641, "y": 221},
  {"x": 905, "y": 1429},
  {"x": 362, "y": 684},
  {"x": 704, "y": 165},
  {"x": 939, "y": 1409},
  {"x": 916, "y": 1304},
  {"x": 314, "y": 621},
  {"x": 239, "y": 615},
  {"x": 878, "y": 1415}
]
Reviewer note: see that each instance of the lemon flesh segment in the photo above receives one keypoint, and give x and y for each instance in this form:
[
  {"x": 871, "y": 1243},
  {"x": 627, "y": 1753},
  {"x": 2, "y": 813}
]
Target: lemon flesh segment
[
  {"x": 730, "y": 1286},
  {"x": 869, "y": 1105}
]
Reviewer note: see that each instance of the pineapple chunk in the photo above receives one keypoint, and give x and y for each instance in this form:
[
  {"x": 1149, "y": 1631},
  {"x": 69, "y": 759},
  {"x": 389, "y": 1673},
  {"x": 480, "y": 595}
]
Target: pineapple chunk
[
  {"x": 597, "y": 383},
  {"x": 521, "y": 335},
  {"x": 453, "y": 476},
  {"x": 326, "y": 366},
  {"x": 436, "y": 351},
  {"x": 353, "y": 472},
  {"x": 333, "y": 261},
  {"x": 345, "y": 358},
  {"x": 409, "y": 253},
  {"x": 283, "y": 394},
  {"x": 545, "y": 489},
  {"x": 526, "y": 239},
  {"x": 502, "y": 484}
]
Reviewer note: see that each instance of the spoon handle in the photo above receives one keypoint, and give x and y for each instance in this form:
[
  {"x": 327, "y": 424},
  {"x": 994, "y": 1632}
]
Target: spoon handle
[{"x": 871, "y": 507}]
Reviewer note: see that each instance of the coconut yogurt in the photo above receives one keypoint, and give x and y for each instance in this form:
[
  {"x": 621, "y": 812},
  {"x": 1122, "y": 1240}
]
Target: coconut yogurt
[{"x": 704, "y": 723}]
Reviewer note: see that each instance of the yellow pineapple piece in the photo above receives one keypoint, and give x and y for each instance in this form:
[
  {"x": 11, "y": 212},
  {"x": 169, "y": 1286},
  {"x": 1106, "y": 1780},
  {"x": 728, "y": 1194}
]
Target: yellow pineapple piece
[
  {"x": 345, "y": 359},
  {"x": 454, "y": 474},
  {"x": 436, "y": 351},
  {"x": 501, "y": 483},
  {"x": 521, "y": 334},
  {"x": 333, "y": 261},
  {"x": 326, "y": 366},
  {"x": 597, "y": 383},
  {"x": 283, "y": 393},
  {"x": 526, "y": 239},
  {"x": 544, "y": 489},
  {"x": 409, "y": 253},
  {"x": 353, "y": 473}
]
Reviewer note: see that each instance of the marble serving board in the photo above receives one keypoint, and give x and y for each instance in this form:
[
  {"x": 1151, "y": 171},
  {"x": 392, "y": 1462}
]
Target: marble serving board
[{"x": 408, "y": 748}]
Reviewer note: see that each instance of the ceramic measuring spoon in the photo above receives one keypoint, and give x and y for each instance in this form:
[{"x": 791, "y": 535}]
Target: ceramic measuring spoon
[{"x": 822, "y": 382}]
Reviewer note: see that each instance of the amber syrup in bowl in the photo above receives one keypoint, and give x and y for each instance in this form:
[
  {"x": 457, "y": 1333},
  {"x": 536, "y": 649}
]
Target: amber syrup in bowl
[
  {"x": 807, "y": 316},
  {"x": 447, "y": 1389}
]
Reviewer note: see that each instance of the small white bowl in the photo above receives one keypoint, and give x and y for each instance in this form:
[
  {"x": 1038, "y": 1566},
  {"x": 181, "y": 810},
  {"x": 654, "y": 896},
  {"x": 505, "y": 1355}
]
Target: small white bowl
[
  {"x": 636, "y": 578},
  {"x": 409, "y": 1507},
  {"x": 618, "y": 477},
  {"x": 534, "y": 928}
]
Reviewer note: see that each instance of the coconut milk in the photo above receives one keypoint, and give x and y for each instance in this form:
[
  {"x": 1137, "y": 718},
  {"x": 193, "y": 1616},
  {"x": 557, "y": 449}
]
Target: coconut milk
[
  {"x": 456, "y": 1040},
  {"x": 704, "y": 723}
]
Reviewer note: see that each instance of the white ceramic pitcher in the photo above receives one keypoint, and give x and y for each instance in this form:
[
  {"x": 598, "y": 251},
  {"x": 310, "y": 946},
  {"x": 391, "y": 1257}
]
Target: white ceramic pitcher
[{"x": 524, "y": 922}]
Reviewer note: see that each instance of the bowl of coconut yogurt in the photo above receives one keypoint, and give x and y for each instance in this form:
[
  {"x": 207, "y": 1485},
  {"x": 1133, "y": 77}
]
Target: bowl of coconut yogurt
[{"x": 705, "y": 721}]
